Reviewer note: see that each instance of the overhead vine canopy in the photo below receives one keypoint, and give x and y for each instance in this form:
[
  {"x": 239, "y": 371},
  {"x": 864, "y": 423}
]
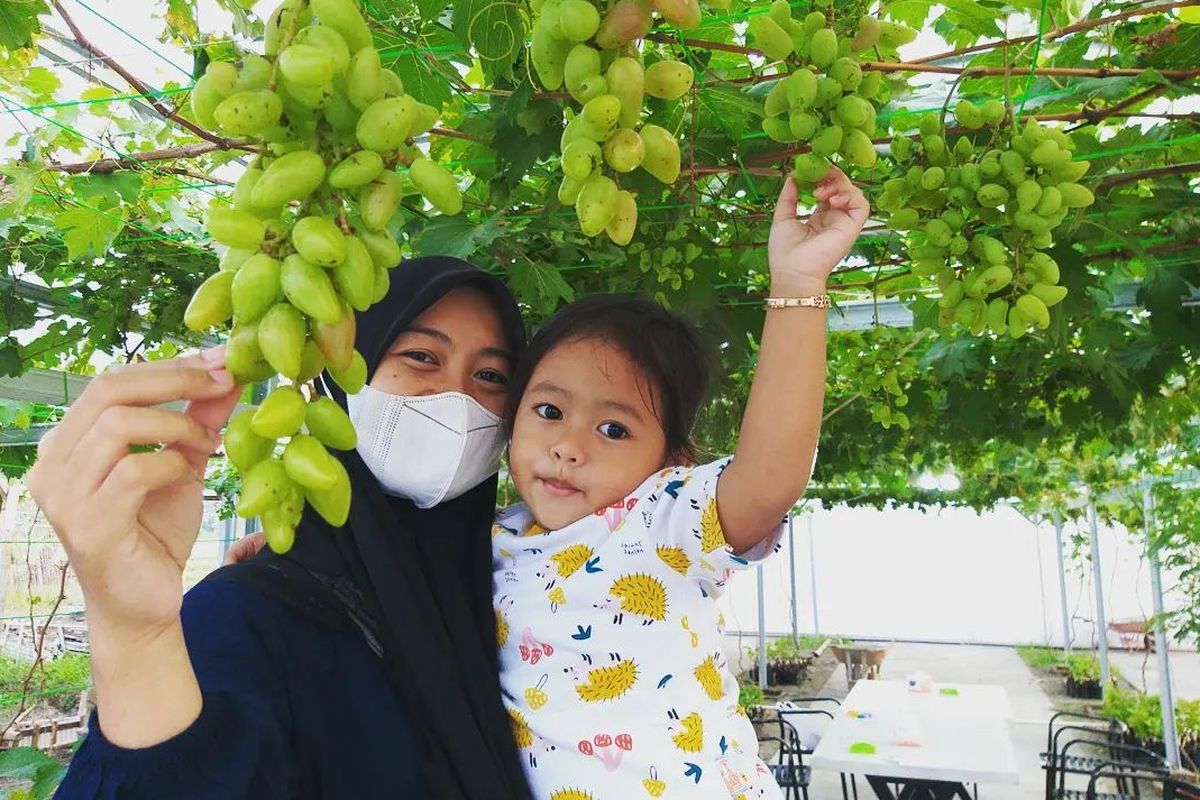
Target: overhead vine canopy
[{"x": 104, "y": 193}]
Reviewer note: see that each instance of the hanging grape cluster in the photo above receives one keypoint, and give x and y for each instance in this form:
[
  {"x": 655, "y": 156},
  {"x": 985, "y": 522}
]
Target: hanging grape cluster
[
  {"x": 597, "y": 59},
  {"x": 826, "y": 102},
  {"x": 307, "y": 232},
  {"x": 980, "y": 213}
]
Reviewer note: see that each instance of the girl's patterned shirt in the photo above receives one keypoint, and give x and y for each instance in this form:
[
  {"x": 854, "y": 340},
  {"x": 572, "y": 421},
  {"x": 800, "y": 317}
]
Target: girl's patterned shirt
[{"x": 612, "y": 660}]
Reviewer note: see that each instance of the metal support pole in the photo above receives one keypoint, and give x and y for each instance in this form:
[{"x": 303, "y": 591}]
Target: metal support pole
[
  {"x": 762, "y": 631},
  {"x": 1100, "y": 623},
  {"x": 792, "y": 575},
  {"x": 1062, "y": 581},
  {"x": 1166, "y": 693},
  {"x": 812, "y": 570},
  {"x": 8, "y": 525},
  {"x": 228, "y": 535}
]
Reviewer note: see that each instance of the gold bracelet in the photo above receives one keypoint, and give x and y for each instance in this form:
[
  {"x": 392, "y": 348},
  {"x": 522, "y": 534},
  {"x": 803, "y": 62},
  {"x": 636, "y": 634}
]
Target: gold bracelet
[{"x": 815, "y": 301}]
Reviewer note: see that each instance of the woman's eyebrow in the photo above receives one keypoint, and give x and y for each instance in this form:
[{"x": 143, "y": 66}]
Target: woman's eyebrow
[
  {"x": 498, "y": 352},
  {"x": 443, "y": 337}
]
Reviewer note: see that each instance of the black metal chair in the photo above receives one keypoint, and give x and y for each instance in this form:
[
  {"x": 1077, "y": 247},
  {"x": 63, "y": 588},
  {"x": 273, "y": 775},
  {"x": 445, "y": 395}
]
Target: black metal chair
[
  {"x": 787, "y": 767},
  {"x": 1139, "y": 777},
  {"x": 789, "y": 706},
  {"x": 1102, "y": 730},
  {"x": 1125, "y": 764},
  {"x": 1099, "y": 748}
]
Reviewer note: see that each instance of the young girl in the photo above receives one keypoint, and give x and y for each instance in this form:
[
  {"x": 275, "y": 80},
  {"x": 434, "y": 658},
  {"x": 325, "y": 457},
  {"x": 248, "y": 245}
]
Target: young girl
[{"x": 612, "y": 660}]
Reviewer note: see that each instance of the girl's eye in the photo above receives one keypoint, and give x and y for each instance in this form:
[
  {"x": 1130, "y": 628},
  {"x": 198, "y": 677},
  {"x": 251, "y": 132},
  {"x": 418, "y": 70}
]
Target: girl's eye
[
  {"x": 547, "y": 411},
  {"x": 492, "y": 376},
  {"x": 614, "y": 431},
  {"x": 420, "y": 356}
]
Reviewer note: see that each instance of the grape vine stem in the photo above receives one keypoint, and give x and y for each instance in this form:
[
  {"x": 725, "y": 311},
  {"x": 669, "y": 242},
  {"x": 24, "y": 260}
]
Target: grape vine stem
[
  {"x": 103, "y": 166},
  {"x": 164, "y": 110},
  {"x": 923, "y": 64},
  {"x": 1057, "y": 33}
]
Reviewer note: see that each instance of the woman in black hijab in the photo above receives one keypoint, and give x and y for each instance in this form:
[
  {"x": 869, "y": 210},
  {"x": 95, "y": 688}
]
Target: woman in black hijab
[{"x": 363, "y": 663}]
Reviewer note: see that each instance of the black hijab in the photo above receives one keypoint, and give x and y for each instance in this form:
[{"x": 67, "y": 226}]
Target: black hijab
[{"x": 403, "y": 575}]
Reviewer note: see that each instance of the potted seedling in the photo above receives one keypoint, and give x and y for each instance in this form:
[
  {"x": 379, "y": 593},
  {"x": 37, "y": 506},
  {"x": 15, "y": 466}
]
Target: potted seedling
[{"x": 1083, "y": 677}]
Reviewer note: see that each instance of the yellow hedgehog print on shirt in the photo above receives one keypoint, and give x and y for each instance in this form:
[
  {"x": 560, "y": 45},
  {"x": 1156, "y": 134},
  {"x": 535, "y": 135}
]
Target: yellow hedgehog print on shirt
[
  {"x": 563, "y": 565},
  {"x": 711, "y": 535},
  {"x": 674, "y": 557},
  {"x": 709, "y": 678},
  {"x": 570, "y": 560},
  {"x": 691, "y": 738},
  {"x": 570, "y": 794},
  {"x": 522, "y": 733},
  {"x": 638, "y": 594},
  {"x": 606, "y": 683},
  {"x": 501, "y": 628}
]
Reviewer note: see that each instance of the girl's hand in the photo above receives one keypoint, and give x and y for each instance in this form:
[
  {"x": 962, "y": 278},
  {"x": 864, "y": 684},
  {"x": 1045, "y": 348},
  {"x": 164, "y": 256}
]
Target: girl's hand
[
  {"x": 244, "y": 549},
  {"x": 801, "y": 254}
]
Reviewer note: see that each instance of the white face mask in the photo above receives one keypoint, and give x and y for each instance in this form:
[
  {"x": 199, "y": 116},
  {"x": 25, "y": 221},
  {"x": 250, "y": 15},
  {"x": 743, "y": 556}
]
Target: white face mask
[{"x": 427, "y": 449}]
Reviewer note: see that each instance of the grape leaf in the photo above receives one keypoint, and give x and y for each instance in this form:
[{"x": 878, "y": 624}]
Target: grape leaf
[
  {"x": 10, "y": 360},
  {"x": 181, "y": 18},
  {"x": 1162, "y": 293},
  {"x": 100, "y": 189},
  {"x": 517, "y": 152},
  {"x": 495, "y": 30},
  {"x": 420, "y": 79},
  {"x": 456, "y": 236},
  {"x": 15, "y": 414},
  {"x": 16, "y": 188},
  {"x": 727, "y": 109},
  {"x": 951, "y": 359},
  {"x": 912, "y": 13},
  {"x": 540, "y": 284},
  {"x": 1178, "y": 49},
  {"x": 46, "y": 779},
  {"x": 88, "y": 231},
  {"x": 18, "y": 21},
  {"x": 25, "y": 763},
  {"x": 925, "y": 313},
  {"x": 971, "y": 17},
  {"x": 431, "y": 9},
  {"x": 517, "y": 101},
  {"x": 41, "y": 82}
]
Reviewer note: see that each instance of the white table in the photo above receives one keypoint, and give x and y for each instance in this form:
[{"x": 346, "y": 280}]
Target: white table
[{"x": 933, "y": 743}]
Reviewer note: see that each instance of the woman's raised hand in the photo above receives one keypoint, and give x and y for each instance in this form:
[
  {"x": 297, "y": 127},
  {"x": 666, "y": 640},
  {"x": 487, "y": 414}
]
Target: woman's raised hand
[{"x": 128, "y": 518}]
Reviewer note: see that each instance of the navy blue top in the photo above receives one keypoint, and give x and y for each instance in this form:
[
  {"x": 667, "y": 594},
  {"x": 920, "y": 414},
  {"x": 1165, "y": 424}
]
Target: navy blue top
[{"x": 291, "y": 710}]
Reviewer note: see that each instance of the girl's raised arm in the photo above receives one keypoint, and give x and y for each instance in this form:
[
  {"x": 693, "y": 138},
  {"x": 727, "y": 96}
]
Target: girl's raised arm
[{"x": 779, "y": 433}]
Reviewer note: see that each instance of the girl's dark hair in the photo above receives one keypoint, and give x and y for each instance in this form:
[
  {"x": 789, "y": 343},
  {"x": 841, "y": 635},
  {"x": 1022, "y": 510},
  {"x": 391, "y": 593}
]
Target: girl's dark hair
[{"x": 667, "y": 349}]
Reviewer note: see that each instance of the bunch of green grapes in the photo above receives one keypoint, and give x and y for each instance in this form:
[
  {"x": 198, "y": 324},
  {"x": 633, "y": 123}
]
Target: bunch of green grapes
[
  {"x": 980, "y": 213},
  {"x": 878, "y": 364},
  {"x": 666, "y": 267},
  {"x": 826, "y": 102},
  {"x": 597, "y": 59},
  {"x": 308, "y": 242}
]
